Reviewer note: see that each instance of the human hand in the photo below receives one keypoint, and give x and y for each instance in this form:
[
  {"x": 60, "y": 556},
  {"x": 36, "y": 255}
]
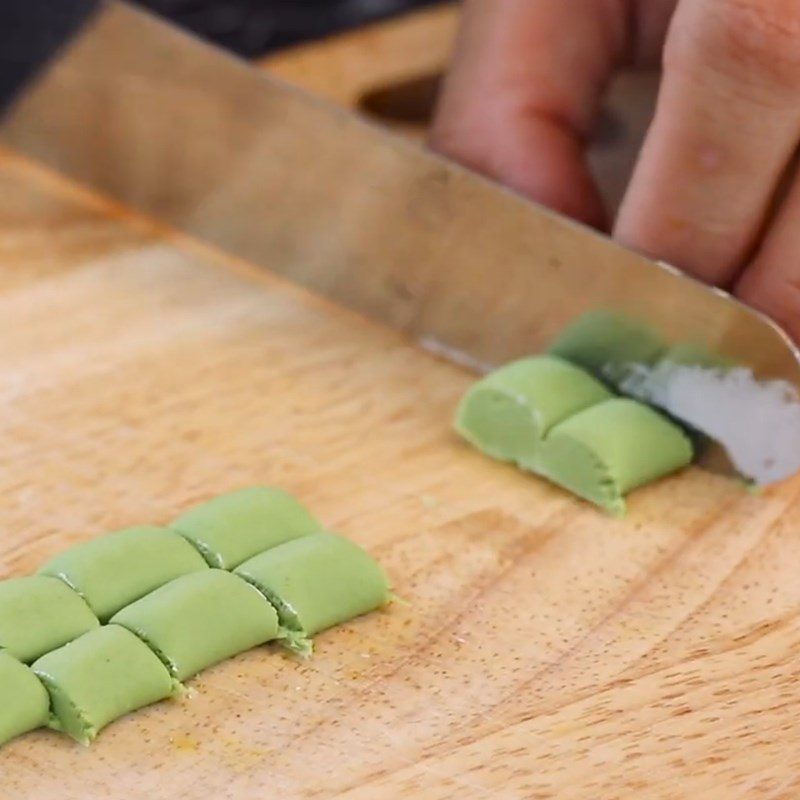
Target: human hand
[{"x": 525, "y": 86}]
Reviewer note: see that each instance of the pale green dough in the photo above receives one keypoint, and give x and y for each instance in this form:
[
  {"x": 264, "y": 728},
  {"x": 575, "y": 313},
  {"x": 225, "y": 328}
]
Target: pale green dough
[
  {"x": 317, "y": 582},
  {"x": 608, "y": 344},
  {"x": 234, "y": 527},
  {"x": 605, "y": 451},
  {"x": 201, "y": 619},
  {"x": 112, "y": 571},
  {"x": 99, "y": 678},
  {"x": 507, "y": 413},
  {"x": 39, "y": 614},
  {"x": 24, "y": 704}
]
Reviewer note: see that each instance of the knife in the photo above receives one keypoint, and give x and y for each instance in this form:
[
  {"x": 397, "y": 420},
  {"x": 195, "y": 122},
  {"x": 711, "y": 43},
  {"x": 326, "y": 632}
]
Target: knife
[{"x": 182, "y": 131}]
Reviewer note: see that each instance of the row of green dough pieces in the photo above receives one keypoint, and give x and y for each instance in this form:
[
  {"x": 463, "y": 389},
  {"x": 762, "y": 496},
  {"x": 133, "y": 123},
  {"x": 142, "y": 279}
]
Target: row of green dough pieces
[
  {"x": 118, "y": 622},
  {"x": 552, "y": 418}
]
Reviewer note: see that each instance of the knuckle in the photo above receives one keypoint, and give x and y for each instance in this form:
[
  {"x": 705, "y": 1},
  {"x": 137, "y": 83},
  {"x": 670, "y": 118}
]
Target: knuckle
[
  {"x": 764, "y": 35},
  {"x": 756, "y": 41}
]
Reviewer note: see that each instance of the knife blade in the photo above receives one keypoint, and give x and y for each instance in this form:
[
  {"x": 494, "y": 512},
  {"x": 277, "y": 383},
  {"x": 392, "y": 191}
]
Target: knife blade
[{"x": 182, "y": 131}]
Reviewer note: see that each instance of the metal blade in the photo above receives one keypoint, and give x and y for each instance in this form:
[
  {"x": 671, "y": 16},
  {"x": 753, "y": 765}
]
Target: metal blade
[{"x": 194, "y": 137}]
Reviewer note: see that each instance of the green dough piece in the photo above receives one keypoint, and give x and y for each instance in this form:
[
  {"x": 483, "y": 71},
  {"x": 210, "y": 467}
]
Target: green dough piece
[
  {"x": 201, "y": 619},
  {"x": 39, "y": 614},
  {"x": 24, "y": 704},
  {"x": 234, "y": 527},
  {"x": 507, "y": 414},
  {"x": 317, "y": 582},
  {"x": 99, "y": 678},
  {"x": 112, "y": 571},
  {"x": 608, "y": 344},
  {"x": 605, "y": 451}
]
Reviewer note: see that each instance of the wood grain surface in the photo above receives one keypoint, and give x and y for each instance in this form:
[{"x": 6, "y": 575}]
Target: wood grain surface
[{"x": 541, "y": 650}]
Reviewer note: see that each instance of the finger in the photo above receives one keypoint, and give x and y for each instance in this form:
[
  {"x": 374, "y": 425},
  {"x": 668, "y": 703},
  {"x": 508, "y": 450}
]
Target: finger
[
  {"x": 523, "y": 91},
  {"x": 650, "y": 22},
  {"x": 727, "y": 121},
  {"x": 772, "y": 281}
]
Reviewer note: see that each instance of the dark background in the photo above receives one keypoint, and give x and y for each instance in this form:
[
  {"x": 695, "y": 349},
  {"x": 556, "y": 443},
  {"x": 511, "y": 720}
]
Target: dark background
[
  {"x": 31, "y": 31},
  {"x": 254, "y": 27}
]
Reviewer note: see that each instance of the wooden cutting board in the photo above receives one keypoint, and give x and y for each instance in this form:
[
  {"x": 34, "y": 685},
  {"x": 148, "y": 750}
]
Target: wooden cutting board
[{"x": 541, "y": 651}]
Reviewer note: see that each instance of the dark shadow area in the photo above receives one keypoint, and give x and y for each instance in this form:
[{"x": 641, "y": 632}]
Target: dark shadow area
[
  {"x": 255, "y": 27},
  {"x": 409, "y": 101}
]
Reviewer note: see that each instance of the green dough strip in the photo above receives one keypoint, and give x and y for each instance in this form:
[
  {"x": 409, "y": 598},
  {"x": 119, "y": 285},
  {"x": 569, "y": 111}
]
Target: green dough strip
[
  {"x": 39, "y": 614},
  {"x": 317, "y": 582},
  {"x": 199, "y": 620},
  {"x": 114, "y": 570},
  {"x": 508, "y": 412},
  {"x": 234, "y": 527},
  {"x": 605, "y": 451},
  {"x": 99, "y": 678},
  {"x": 24, "y": 704}
]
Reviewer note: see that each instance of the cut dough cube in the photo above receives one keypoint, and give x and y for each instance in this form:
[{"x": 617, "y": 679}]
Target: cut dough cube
[
  {"x": 609, "y": 344},
  {"x": 39, "y": 614},
  {"x": 508, "y": 413},
  {"x": 99, "y": 678},
  {"x": 317, "y": 582},
  {"x": 605, "y": 451},
  {"x": 24, "y": 703},
  {"x": 234, "y": 527},
  {"x": 113, "y": 570},
  {"x": 199, "y": 620}
]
